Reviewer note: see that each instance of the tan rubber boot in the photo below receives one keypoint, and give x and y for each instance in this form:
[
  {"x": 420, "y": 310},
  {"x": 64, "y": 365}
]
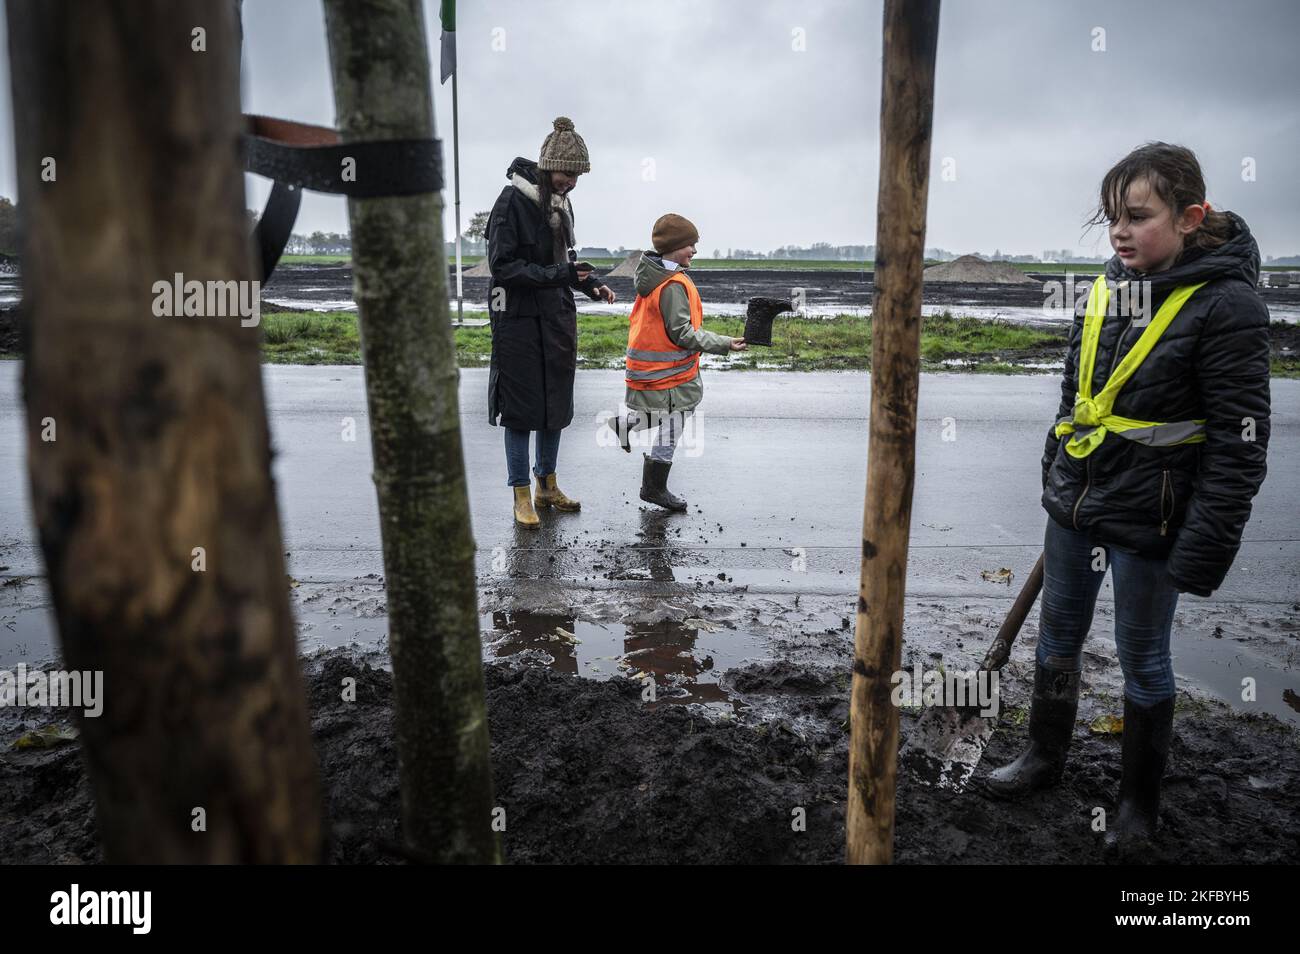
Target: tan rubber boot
[
  {"x": 549, "y": 495},
  {"x": 525, "y": 515}
]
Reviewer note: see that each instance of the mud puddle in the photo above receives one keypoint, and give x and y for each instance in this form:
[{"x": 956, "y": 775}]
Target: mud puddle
[
  {"x": 26, "y": 634},
  {"x": 686, "y": 638},
  {"x": 682, "y": 660}
]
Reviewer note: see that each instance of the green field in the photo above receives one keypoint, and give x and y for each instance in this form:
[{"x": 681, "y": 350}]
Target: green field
[
  {"x": 316, "y": 259},
  {"x": 842, "y": 343}
]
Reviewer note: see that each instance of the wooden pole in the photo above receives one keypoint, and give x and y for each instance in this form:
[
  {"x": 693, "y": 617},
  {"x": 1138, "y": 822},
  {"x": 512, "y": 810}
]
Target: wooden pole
[
  {"x": 399, "y": 263},
  {"x": 911, "y": 31},
  {"x": 147, "y": 441}
]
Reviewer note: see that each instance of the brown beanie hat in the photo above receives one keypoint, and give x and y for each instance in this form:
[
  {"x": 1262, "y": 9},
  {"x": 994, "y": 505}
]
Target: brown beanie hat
[
  {"x": 673, "y": 231},
  {"x": 563, "y": 150}
]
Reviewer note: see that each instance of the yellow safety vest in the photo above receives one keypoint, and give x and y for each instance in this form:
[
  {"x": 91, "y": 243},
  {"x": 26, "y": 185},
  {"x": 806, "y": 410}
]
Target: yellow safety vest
[{"x": 1093, "y": 417}]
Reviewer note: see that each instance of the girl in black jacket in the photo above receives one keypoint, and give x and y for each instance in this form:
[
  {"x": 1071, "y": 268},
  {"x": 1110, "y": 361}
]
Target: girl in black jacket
[{"x": 1154, "y": 475}]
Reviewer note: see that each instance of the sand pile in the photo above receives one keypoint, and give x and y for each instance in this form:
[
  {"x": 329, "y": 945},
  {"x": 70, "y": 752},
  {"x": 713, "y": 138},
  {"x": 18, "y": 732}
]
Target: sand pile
[
  {"x": 481, "y": 270},
  {"x": 625, "y": 268},
  {"x": 973, "y": 270}
]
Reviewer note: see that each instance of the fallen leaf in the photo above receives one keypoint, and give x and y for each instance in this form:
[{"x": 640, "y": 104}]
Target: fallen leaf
[
  {"x": 46, "y": 738},
  {"x": 1000, "y": 575},
  {"x": 1107, "y": 725}
]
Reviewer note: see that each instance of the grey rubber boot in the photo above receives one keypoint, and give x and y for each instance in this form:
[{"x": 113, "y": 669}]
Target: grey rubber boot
[
  {"x": 1051, "y": 725},
  {"x": 1147, "y": 733},
  {"x": 654, "y": 484}
]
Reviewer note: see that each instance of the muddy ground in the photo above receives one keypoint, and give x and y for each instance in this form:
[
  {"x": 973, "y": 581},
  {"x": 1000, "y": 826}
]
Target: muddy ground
[
  {"x": 11, "y": 339},
  {"x": 587, "y": 771}
]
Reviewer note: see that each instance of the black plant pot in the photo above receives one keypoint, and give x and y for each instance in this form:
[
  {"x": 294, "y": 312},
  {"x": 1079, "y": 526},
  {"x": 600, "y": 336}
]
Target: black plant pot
[{"x": 759, "y": 314}]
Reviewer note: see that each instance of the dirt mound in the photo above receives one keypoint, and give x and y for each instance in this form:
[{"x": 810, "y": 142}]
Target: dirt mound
[
  {"x": 627, "y": 267},
  {"x": 973, "y": 270},
  {"x": 587, "y": 773},
  {"x": 481, "y": 270}
]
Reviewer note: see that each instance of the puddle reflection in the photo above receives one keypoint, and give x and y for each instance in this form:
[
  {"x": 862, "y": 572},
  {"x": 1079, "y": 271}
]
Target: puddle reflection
[{"x": 685, "y": 658}]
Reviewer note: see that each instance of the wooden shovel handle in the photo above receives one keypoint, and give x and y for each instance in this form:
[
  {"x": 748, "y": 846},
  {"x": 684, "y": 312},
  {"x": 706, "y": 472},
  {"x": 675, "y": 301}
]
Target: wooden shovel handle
[{"x": 1001, "y": 648}]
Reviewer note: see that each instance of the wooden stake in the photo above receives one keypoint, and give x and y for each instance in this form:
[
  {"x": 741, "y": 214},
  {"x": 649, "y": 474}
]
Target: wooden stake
[{"x": 911, "y": 31}]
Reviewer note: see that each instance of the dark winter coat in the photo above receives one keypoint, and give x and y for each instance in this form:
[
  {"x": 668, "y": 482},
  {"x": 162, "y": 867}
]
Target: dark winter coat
[
  {"x": 1211, "y": 363},
  {"x": 531, "y": 310}
]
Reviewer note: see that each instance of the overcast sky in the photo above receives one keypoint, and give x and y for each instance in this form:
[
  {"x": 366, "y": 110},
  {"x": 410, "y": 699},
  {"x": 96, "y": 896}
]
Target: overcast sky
[{"x": 764, "y": 144}]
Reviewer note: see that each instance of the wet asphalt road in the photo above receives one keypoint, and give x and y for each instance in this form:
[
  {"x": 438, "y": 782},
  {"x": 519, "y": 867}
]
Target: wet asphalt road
[{"x": 775, "y": 476}]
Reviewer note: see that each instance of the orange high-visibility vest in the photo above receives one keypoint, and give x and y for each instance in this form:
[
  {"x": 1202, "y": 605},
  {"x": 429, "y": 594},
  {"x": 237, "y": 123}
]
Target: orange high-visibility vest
[{"x": 654, "y": 362}]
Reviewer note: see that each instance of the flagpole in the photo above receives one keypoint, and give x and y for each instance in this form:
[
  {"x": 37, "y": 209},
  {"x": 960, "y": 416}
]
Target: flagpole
[
  {"x": 447, "y": 15},
  {"x": 455, "y": 152}
]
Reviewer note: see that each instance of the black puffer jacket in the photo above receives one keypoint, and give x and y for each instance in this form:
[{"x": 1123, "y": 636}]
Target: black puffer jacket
[
  {"x": 1189, "y": 502},
  {"x": 534, "y": 320}
]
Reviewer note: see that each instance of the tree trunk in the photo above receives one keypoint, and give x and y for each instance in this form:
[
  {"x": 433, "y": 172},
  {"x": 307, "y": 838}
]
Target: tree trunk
[
  {"x": 907, "y": 105},
  {"x": 382, "y": 91},
  {"x": 203, "y": 751}
]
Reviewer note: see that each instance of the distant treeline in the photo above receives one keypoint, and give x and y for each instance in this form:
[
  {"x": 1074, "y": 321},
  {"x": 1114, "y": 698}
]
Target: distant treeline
[{"x": 473, "y": 243}]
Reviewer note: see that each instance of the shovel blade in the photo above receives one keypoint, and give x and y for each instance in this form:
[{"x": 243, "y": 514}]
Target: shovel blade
[{"x": 946, "y": 745}]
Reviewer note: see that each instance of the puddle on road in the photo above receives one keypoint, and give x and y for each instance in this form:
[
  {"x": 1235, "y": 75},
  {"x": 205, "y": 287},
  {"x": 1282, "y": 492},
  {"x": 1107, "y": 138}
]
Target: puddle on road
[
  {"x": 26, "y": 635},
  {"x": 686, "y": 658},
  {"x": 1218, "y": 666}
]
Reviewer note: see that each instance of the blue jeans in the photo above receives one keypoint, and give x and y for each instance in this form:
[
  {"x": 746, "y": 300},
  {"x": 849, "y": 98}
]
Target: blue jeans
[
  {"x": 548, "y": 448},
  {"x": 1145, "y": 598}
]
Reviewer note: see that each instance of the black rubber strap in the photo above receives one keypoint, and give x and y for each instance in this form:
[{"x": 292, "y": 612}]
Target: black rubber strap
[
  {"x": 299, "y": 156},
  {"x": 276, "y": 225}
]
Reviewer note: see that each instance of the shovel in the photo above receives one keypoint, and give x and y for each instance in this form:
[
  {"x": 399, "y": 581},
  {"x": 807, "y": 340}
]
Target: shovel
[{"x": 948, "y": 741}]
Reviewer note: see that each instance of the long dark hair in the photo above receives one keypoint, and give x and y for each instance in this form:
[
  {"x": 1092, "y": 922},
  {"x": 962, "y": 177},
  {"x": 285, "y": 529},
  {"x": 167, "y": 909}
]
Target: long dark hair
[
  {"x": 544, "y": 193},
  {"x": 1175, "y": 176}
]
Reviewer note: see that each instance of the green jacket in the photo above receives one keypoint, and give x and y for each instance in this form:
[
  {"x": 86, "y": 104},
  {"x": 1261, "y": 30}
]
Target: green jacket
[{"x": 676, "y": 309}]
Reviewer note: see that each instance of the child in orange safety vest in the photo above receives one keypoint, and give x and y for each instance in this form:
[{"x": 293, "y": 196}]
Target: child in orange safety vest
[{"x": 664, "y": 343}]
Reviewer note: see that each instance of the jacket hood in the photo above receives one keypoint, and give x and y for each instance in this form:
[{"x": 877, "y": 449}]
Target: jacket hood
[
  {"x": 1236, "y": 258},
  {"x": 651, "y": 273},
  {"x": 524, "y": 167}
]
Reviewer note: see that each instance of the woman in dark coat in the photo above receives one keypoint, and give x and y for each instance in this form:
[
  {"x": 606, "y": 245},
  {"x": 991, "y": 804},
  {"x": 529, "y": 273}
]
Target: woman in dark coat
[{"x": 534, "y": 319}]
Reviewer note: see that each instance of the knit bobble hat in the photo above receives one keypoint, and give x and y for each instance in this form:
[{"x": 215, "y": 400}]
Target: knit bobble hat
[
  {"x": 563, "y": 150},
  {"x": 672, "y": 232}
]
